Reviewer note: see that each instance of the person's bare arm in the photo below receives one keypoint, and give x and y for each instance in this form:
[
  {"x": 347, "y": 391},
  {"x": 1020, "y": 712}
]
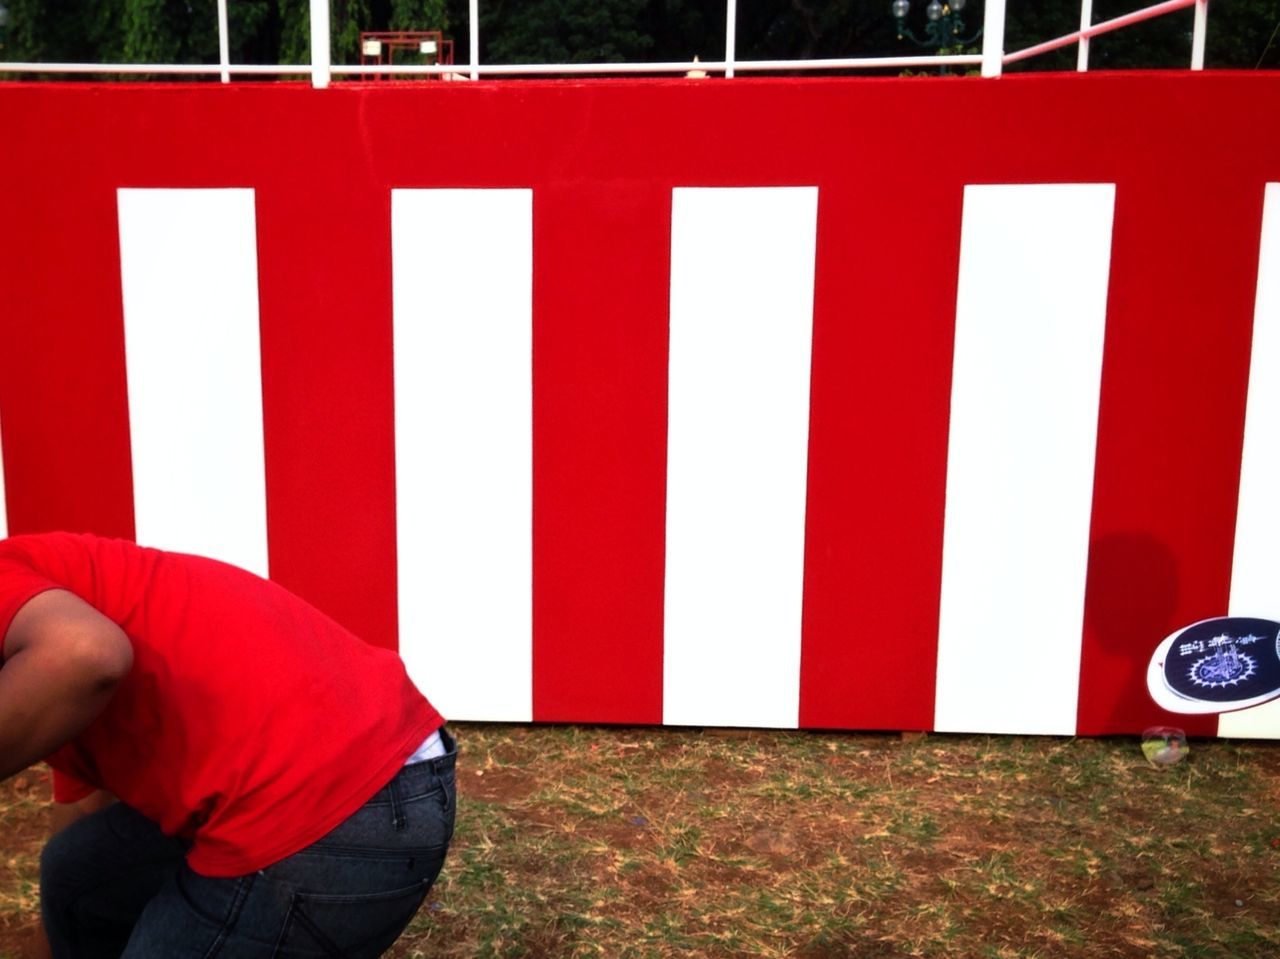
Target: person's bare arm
[{"x": 63, "y": 661}]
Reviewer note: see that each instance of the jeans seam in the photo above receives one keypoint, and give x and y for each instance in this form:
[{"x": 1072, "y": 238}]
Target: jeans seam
[
  {"x": 285, "y": 926},
  {"x": 366, "y": 852},
  {"x": 238, "y": 900},
  {"x": 403, "y": 797},
  {"x": 321, "y": 939},
  {"x": 398, "y": 820}
]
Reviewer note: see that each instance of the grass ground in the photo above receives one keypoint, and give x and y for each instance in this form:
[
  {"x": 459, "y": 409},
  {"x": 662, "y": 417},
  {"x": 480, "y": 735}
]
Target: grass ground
[{"x": 578, "y": 842}]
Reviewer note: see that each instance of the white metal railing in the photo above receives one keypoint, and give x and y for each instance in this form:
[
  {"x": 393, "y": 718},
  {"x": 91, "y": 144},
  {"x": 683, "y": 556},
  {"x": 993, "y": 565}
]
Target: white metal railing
[
  {"x": 1087, "y": 31},
  {"x": 992, "y": 59},
  {"x": 224, "y": 41}
]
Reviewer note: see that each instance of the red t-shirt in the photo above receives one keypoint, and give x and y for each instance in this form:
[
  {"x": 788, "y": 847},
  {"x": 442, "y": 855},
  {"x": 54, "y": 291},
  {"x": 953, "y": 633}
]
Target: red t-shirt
[{"x": 250, "y": 724}]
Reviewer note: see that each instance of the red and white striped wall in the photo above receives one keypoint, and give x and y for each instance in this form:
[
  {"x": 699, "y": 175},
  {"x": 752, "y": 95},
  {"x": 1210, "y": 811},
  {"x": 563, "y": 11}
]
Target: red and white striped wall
[{"x": 752, "y": 404}]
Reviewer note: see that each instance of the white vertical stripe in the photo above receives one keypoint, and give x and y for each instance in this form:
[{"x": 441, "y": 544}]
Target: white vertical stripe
[
  {"x": 462, "y": 290},
  {"x": 742, "y": 264},
  {"x": 1030, "y": 318},
  {"x": 1255, "y": 568},
  {"x": 189, "y": 274}
]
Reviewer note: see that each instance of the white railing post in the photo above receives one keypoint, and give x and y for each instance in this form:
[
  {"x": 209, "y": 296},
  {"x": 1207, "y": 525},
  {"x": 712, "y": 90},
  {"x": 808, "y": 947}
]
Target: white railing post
[
  {"x": 730, "y": 36},
  {"x": 1086, "y": 21},
  {"x": 473, "y": 14},
  {"x": 1197, "y": 35},
  {"x": 993, "y": 39},
  {"x": 224, "y": 43},
  {"x": 320, "y": 52}
]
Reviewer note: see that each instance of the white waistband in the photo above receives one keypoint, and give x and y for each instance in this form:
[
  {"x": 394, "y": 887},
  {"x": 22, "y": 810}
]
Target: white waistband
[{"x": 431, "y": 747}]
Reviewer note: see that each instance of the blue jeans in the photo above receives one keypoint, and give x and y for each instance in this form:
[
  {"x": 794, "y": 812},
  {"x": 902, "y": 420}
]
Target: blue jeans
[{"x": 113, "y": 885}]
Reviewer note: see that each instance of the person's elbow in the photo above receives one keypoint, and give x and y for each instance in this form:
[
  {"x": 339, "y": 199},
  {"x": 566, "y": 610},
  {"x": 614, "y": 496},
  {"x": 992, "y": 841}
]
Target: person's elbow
[
  {"x": 112, "y": 661},
  {"x": 99, "y": 659}
]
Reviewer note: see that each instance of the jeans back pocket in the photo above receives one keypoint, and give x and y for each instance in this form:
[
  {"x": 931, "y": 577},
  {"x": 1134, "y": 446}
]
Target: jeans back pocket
[{"x": 347, "y": 927}]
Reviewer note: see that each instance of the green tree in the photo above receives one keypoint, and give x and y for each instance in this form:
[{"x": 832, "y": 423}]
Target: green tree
[
  {"x": 156, "y": 31},
  {"x": 418, "y": 15},
  {"x": 786, "y": 29},
  {"x": 563, "y": 31},
  {"x": 683, "y": 29},
  {"x": 347, "y": 18},
  {"x": 135, "y": 31},
  {"x": 73, "y": 32}
]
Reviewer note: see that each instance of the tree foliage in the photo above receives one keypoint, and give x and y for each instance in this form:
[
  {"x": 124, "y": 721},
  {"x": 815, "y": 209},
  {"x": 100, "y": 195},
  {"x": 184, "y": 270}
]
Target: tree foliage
[
  {"x": 418, "y": 15},
  {"x": 566, "y": 31},
  {"x": 1242, "y": 34}
]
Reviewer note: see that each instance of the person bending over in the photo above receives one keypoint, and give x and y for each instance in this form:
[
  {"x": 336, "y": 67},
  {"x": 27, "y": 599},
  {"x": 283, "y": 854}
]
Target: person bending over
[{"x": 283, "y": 788}]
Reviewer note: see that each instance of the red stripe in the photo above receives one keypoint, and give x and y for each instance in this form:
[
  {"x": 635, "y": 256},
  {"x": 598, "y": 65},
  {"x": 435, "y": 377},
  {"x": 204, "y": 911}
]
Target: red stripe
[
  {"x": 601, "y": 255},
  {"x": 325, "y": 279},
  {"x": 63, "y": 401},
  {"x": 1170, "y": 433},
  {"x": 877, "y": 458},
  {"x": 1173, "y": 386}
]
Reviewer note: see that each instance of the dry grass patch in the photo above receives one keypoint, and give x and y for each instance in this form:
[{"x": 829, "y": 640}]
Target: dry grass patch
[
  {"x": 656, "y": 843},
  {"x": 24, "y": 824},
  {"x": 653, "y": 843}
]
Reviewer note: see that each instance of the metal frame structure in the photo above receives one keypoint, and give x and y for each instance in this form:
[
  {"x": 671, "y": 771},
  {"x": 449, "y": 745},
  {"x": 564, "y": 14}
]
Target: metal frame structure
[
  {"x": 404, "y": 41},
  {"x": 991, "y": 61}
]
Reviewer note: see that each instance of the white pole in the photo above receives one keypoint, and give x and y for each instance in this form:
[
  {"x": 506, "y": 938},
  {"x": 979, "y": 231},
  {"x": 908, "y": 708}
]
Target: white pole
[
  {"x": 993, "y": 39},
  {"x": 730, "y": 35},
  {"x": 1197, "y": 36},
  {"x": 473, "y": 14},
  {"x": 224, "y": 43},
  {"x": 1086, "y": 21},
  {"x": 320, "y": 62}
]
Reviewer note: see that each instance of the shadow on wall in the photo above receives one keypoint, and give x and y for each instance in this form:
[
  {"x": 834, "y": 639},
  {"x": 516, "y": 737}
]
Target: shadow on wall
[
  {"x": 1133, "y": 592},
  {"x": 1132, "y": 603}
]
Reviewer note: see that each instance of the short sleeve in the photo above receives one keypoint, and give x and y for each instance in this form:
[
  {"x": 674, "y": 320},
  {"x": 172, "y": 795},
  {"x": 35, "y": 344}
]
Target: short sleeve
[
  {"x": 19, "y": 583},
  {"x": 68, "y": 789}
]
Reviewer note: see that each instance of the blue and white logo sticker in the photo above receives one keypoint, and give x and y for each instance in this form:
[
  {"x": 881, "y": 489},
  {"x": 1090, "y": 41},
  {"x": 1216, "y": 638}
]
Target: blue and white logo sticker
[{"x": 1217, "y": 665}]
